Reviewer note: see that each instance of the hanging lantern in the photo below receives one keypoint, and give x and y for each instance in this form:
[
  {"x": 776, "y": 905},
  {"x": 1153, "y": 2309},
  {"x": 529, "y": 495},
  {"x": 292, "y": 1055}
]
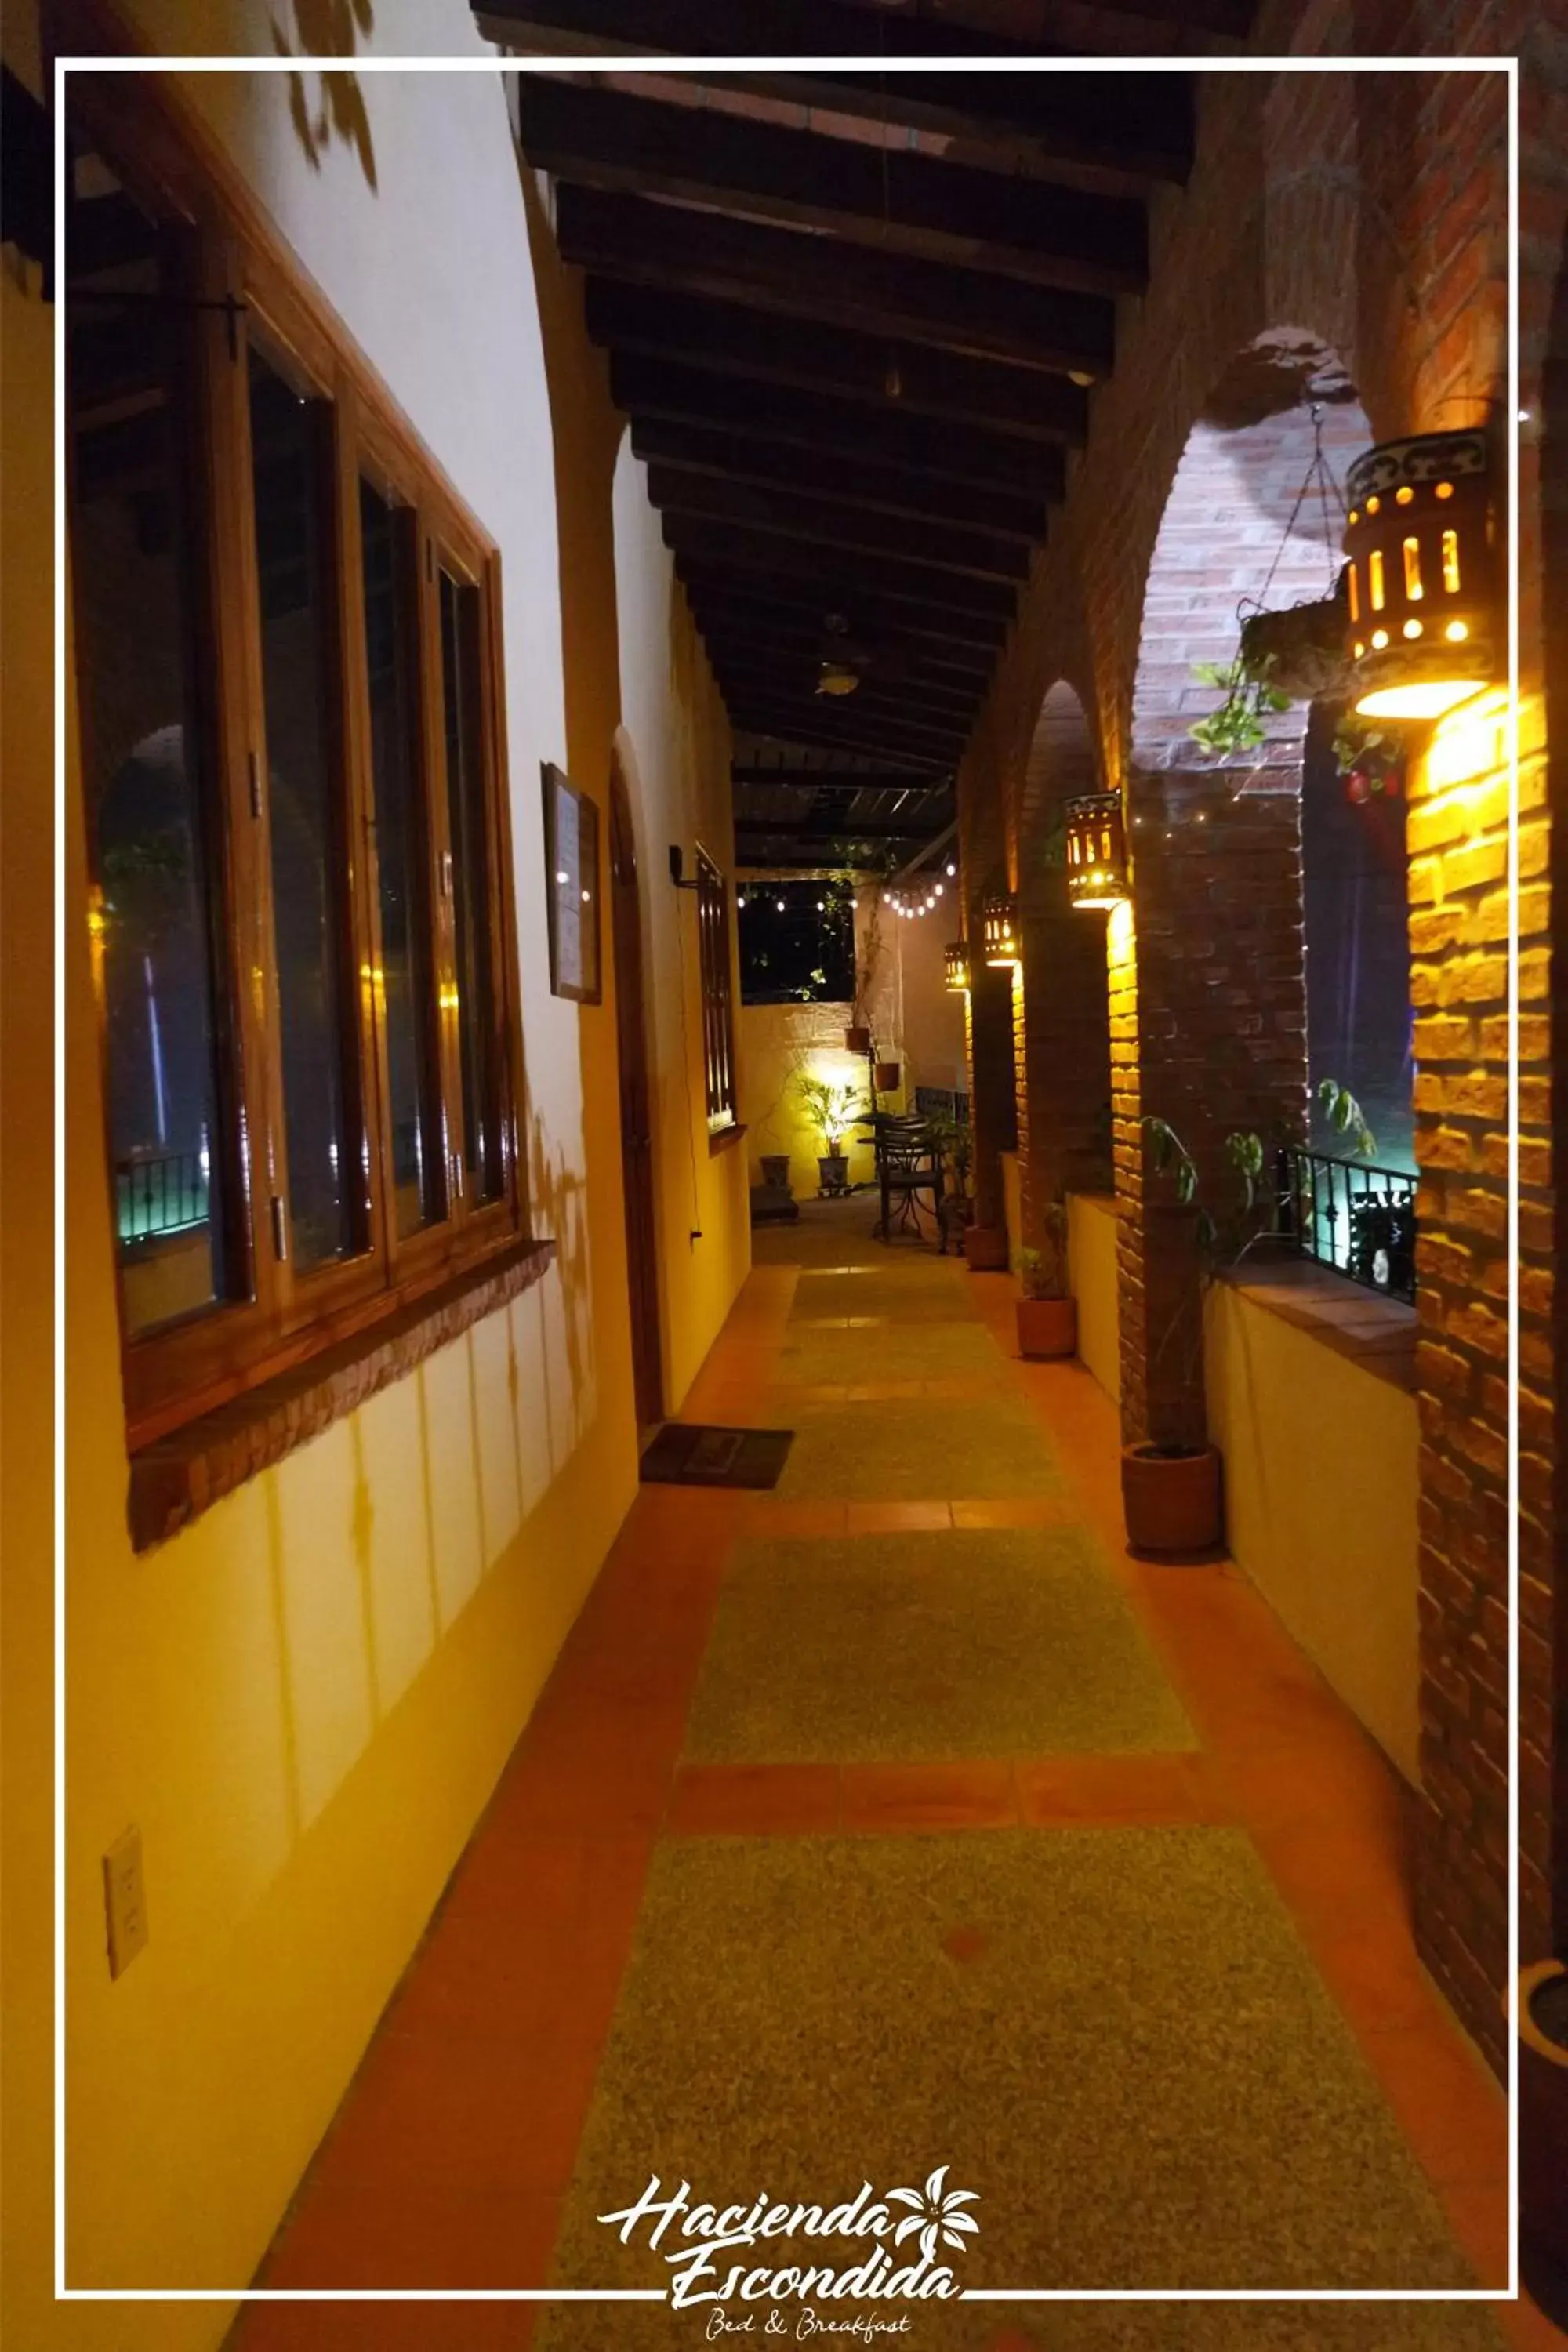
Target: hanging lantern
[
  {"x": 1000, "y": 920},
  {"x": 1421, "y": 538},
  {"x": 955, "y": 960},
  {"x": 1096, "y": 851}
]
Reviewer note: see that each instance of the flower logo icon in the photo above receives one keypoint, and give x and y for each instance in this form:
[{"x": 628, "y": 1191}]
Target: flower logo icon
[{"x": 936, "y": 2213}]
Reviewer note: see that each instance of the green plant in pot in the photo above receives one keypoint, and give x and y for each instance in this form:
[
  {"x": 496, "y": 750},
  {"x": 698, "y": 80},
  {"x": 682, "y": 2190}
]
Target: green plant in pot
[
  {"x": 1250, "y": 700},
  {"x": 1171, "y": 1480},
  {"x": 832, "y": 1108},
  {"x": 954, "y": 1147},
  {"x": 1048, "y": 1313}
]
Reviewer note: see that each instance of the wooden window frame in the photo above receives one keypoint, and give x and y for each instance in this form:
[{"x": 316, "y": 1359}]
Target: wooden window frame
[
  {"x": 716, "y": 969},
  {"x": 277, "y": 1315}
]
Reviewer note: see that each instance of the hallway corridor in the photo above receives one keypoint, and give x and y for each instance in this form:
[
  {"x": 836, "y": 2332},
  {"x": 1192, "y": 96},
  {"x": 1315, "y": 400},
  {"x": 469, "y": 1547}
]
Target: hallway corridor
[{"x": 895, "y": 1819}]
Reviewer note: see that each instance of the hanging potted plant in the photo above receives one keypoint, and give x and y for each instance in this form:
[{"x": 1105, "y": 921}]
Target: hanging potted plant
[
  {"x": 831, "y": 1108},
  {"x": 1239, "y": 723},
  {"x": 1300, "y": 649},
  {"x": 1047, "y": 1315}
]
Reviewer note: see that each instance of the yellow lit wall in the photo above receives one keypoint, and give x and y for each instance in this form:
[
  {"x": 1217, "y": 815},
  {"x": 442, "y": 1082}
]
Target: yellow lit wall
[
  {"x": 1319, "y": 1501},
  {"x": 304, "y": 1700},
  {"x": 1091, "y": 1277}
]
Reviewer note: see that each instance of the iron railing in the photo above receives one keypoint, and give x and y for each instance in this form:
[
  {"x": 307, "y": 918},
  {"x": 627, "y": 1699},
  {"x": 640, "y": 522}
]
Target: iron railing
[
  {"x": 1351, "y": 1215},
  {"x": 161, "y": 1196}
]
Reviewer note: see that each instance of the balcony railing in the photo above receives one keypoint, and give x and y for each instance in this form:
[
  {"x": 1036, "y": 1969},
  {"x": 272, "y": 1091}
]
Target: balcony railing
[
  {"x": 162, "y": 1195},
  {"x": 1352, "y": 1216}
]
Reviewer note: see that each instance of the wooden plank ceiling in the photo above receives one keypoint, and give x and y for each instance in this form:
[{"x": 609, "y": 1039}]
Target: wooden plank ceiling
[{"x": 856, "y": 318}]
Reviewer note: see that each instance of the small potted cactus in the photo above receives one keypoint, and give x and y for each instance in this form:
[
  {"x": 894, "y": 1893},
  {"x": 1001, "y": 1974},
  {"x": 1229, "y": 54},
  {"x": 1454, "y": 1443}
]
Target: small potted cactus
[{"x": 1047, "y": 1315}]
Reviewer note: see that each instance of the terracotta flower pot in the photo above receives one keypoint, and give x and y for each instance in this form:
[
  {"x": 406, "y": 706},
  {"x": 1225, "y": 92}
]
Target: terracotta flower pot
[
  {"x": 1541, "y": 2022},
  {"x": 986, "y": 1247},
  {"x": 857, "y": 1041},
  {"x": 888, "y": 1075},
  {"x": 1170, "y": 1496},
  {"x": 1047, "y": 1327}
]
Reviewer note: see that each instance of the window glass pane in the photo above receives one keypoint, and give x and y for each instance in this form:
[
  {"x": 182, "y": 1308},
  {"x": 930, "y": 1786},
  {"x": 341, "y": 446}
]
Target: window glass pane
[
  {"x": 151, "y": 833},
  {"x": 289, "y": 445},
  {"x": 405, "y": 997},
  {"x": 476, "y": 1013}
]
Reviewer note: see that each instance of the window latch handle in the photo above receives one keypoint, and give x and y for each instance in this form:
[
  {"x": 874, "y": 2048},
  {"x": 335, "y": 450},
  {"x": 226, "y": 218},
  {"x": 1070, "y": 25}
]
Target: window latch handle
[{"x": 279, "y": 1229}]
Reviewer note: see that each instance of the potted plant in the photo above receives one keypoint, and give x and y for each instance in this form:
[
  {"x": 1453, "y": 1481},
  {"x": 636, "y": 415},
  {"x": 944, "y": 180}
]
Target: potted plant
[
  {"x": 951, "y": 1139},
  {"x": 776, "y": 1169},
  {"x": 1299, "y": 650},
  {"x": 1047, "y": 1315},
  {"x": 831, "y": 1108},
  {"x": 1541, "y": 2025},
  {"x": 1171, "y": 1480},
  {"x": 1251, "y": 697}
]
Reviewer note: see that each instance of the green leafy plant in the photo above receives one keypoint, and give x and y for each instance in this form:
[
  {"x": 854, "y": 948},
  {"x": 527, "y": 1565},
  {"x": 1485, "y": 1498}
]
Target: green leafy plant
[
  {"x": 1042, "y": 1273},
  {"x": 1344, "y": 1114},
  {"x": 831, "y": 1107},
  {"x": 1250, "y": 698}
]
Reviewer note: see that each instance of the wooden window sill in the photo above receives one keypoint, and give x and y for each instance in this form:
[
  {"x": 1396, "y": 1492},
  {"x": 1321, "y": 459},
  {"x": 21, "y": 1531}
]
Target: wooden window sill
[
  {"x": 177, "y": 1477},
  {"x": 721, "y": 1138}
]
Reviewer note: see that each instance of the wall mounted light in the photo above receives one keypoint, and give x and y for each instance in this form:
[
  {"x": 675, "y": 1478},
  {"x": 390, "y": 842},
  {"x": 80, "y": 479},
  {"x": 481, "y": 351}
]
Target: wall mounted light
[
  {"x": 1096, "y": 851},
  {"x": 1000, "y": 917},
  {"x": 1421, "y": 537},
  {"x": 955, "y": 966}
]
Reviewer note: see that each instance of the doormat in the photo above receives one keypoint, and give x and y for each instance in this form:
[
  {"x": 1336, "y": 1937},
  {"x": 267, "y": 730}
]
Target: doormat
[{"x": 690, "y": 1454}]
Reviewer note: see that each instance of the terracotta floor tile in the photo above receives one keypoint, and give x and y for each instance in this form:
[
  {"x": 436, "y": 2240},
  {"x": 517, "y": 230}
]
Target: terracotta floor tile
[
  {"x": 1452, "y": 2112},
  {"x": 769, "y": 1517},
  {"x": 1012, "y": 1511},
  {"x": 897, "y": 1518},
  {"x": 928, "y": 1796},
  {"x": 1477, "y": 2215},
  {"x": 1129, "y": 1788},
  {"x": 754, "y": 1799},
  {"x": 437, "y": 2236},
  {"x": 432, "y": 2326},
  {"x": 490, "y": 2115},
  {"x": 1527, "y": 2329},
  {"x": 1373, "y": 1973}
]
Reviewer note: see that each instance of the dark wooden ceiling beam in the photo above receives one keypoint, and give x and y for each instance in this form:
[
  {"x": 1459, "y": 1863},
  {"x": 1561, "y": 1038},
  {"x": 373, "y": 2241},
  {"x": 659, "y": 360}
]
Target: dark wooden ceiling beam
[
  {"x": 829, "y": 523},
  {"x": 754, "y": 776},
  {"x": 797, "y": 672},
  {"x": 955, "y": 452},
  {"x": 733, "y": 340},
  {"x": 869, "y": 704},
  {"x": 941, "y": 747},
  {"x": 836, "y": 827},
  {"x": 803, "y": 646},
  {"x": 1088, "y": 125},
  {"x": 851, "y": 481},
  {"x": 762, "y": 608},
  {"x": 836, "y": 574},
  {"x": 900, "y": 200},
  {"x": 707, "y": 569},
  {"x": 857, "y": 287}
]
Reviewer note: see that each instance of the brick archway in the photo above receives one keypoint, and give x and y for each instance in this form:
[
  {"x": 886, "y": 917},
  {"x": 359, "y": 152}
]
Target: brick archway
[{"x": 1208, "y": 969}]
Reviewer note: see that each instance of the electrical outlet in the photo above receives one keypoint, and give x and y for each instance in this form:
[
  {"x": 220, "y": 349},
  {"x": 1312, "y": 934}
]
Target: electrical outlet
[{"x": 125, "y": 1900}]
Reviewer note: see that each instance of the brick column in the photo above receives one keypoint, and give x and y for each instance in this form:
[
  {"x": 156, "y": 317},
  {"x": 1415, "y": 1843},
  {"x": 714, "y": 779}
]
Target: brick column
[
  {"x": 993, "y": 1093},
  {"x": 1459, "y": 985},
  {"x": 1061, "y": 1050},
  {"x": 1209, "y": 1033}
]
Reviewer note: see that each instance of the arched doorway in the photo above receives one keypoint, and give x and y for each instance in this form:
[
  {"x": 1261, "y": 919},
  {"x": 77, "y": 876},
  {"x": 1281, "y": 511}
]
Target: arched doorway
[{"x": 635, "y": 1092}]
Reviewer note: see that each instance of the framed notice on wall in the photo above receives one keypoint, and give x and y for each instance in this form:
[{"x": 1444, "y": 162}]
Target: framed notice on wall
[{"x": 571, "y": 869}]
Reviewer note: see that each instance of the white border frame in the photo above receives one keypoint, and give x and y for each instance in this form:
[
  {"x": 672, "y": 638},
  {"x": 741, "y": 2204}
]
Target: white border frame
[{"x": 501, "y": 63}]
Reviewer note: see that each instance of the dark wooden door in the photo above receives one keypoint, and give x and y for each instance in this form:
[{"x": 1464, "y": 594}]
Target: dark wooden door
[{"x": 636, "y": 1139}]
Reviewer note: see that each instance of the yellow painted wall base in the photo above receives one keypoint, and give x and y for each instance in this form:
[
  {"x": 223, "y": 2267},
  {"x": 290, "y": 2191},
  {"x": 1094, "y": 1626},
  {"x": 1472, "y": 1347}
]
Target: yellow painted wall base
[
  {"x": 1092, "y": 1278},
  {"x": 1320, "y": 1491}
]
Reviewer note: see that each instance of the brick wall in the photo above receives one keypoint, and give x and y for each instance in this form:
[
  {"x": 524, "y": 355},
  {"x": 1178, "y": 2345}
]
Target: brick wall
[{"x": 1363, "y": 216}]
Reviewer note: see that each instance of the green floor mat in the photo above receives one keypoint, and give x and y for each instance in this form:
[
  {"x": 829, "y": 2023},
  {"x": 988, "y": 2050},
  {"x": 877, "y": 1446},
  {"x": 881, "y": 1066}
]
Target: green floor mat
[
  {"x": 1007, "y": 1642},
  {"x": 889, "y": 1351},
  {"x": 908, "y": 1451},
  {"x": 1113, "y": 2037}
]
